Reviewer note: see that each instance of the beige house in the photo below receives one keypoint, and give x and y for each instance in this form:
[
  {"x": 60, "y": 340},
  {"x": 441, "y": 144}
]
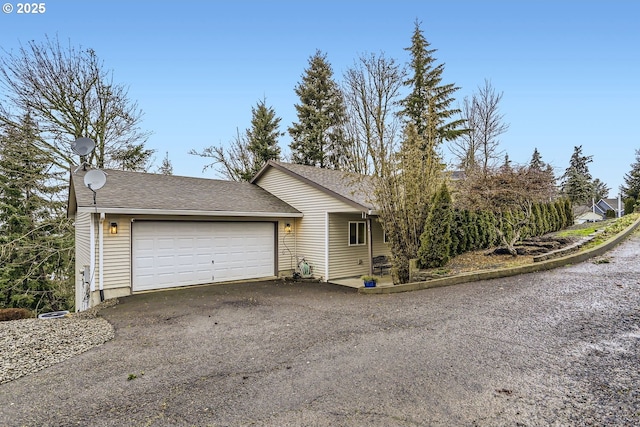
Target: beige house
[{"x": 143, "y": 232}]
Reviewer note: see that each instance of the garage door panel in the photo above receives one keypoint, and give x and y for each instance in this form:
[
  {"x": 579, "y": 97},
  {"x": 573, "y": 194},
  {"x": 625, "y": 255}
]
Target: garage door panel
[{"x": 168, "y": 254}]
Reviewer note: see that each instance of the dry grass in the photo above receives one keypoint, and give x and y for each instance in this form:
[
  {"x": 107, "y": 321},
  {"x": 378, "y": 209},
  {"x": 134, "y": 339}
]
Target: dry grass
[{"x": 485, "y": 260}]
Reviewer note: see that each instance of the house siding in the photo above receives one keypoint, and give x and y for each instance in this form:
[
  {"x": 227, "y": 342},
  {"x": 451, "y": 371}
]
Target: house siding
[
  {"x": 379, "y": 246},
  {"x": 346, "y": 260},
  {"x": 117, "y": 253},
  {"x": 310, "y": 229}
]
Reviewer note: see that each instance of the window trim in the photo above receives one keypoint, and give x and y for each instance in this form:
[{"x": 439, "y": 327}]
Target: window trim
[{"x": 360, "y": 226}]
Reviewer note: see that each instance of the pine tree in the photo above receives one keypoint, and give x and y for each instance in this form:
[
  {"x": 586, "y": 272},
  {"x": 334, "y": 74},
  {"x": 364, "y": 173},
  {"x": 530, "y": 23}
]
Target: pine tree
[
  {"x": 248, "y": 152},
  {"x": 631, "y": 187},
  {"x": 600, "y": 190},
  {"x": 428, "y": 106},
  {"x": 317, "y": 137},
  {"x": 435, "y": 248},
  {"x": 577, "y": 183},
  {"x": 166, "y": 168},
  {"x": 36, "y": 238},
  {"x": 262, "y": 136},
  {"x": 541, "y": 174},
  {"x": 536, "y": 161}
]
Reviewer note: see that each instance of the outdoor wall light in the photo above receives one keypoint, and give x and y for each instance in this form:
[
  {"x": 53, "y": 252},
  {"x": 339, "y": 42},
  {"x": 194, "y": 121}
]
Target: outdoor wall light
[
  {"x": 113, "y": 228},
  {"x": 287, "y": 228}
]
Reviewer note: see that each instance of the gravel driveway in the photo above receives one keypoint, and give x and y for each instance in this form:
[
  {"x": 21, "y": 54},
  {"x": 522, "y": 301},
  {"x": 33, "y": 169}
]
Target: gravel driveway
[{"x": 551, "y": 348}]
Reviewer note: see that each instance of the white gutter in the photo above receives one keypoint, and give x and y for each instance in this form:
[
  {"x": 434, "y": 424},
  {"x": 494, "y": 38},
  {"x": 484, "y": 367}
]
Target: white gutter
[
  {"x": 92, "y": 253},
  {"x": 127, "y": 211},
  {"x": 101, "y": 255}
]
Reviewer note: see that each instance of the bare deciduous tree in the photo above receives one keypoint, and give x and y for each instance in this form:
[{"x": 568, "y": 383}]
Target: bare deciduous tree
[
  {"x": 236, "y": 160},
  {"x": 69, "y": 95},
  {"x": 479, "y": 146},
  {"x": 371, "y": 89}
]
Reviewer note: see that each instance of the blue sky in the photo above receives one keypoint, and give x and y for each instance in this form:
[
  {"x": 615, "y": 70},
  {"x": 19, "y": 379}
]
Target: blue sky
[{"x": 569, "y": 70}]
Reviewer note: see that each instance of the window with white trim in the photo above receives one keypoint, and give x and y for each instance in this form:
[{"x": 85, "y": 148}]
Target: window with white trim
[{"x": 357, "y": 233}]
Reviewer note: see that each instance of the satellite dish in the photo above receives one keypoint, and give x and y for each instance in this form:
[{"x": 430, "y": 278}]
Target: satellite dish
[
  {"x": 95, "y": 179},
  {"x": 83, "y": 146}
]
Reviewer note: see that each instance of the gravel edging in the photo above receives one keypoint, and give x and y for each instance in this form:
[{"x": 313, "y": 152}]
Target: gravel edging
[{"x": 30, "y": 345}]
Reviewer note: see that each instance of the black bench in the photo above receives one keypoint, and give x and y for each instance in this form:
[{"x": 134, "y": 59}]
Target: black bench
[{"x": 381, "y": 263}]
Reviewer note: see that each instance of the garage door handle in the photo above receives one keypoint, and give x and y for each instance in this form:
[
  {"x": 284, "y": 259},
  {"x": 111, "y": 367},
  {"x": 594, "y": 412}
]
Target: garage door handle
[{"x": 213, "y": 262}]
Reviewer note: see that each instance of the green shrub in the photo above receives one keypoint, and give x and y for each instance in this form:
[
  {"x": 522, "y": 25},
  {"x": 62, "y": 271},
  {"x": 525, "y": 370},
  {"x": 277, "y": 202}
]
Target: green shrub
[{"x": 435, "y": 241}]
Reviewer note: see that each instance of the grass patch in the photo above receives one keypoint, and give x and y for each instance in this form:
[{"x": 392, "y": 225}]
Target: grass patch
[
  {"x": 614, "y": 227},
  {"x": 580, "y": 232}
]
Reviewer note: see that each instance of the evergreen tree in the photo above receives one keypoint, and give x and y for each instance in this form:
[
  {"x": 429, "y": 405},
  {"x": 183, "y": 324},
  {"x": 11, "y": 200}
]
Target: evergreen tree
[
  {"x": 36, "y": 238},
  {"x": 435, "y": 248},
  {"x": 456, "y": 233},
  {"x": 541, "y": 174},
  {"x": 317, "y": 137},
  {"x": 629, "y": 205},
  {"x": 536, "y": 161},
  {"x": 428, "y": 106},
  {"x": 568, "y": 213},
  {"x": 577, "y": 183},
  {"x": 248, "y": 152},
  {"x": 166, "y": 168},
  {"x": 600, "y": 190},
  {"x": 631, "y": 187},
  {"x": 263, "y": 135}
]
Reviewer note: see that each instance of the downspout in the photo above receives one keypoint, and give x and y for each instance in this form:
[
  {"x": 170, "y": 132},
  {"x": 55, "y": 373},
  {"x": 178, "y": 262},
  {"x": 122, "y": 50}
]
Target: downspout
[
  {"x": 326, "y": 246},
  {"x": 370, "y": 244},
  {"x": 101, "y": 255},
  {"x": 92, "y": 253}
]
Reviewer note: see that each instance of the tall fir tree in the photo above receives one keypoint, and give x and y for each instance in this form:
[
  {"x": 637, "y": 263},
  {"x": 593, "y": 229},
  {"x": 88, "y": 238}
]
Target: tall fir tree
[
  {"x": 36, "y": 238},
  {"x": 318, "y": 137},
  {"x": 263, "y": 135},
  {"x": 631, "y": 187},
  {"x": 536, "y": 161},
  {"x": 542, "y": 174},
  {"x": 249, "y": 151},
  {"x": 577, "y": 184},
  {"x": 428, "y": 106}
]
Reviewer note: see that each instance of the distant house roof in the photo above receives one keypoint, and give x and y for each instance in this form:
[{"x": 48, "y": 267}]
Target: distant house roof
[
  {"x": 354, "y": 189},
  {"x": 137, "y": 192}
]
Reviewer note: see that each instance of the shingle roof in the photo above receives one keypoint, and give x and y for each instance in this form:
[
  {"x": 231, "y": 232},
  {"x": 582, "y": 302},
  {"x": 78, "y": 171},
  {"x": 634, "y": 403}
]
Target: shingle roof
[
  {"x": 350, "y": 187},
  {"x": 136, "y": 191}
]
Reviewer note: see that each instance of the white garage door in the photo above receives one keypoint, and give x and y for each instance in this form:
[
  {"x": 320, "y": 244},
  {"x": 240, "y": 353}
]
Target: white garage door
[{"x": 168, "y": 254}]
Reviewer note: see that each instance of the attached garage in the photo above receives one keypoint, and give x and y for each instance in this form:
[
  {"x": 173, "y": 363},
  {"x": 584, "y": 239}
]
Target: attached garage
[
  {"x": 169, "y": 253},
  {"x": 143, "y": 232}
]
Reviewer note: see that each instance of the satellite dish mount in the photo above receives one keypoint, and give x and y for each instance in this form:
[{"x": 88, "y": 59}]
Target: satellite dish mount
[
  {"x": 94, "y": 179},
  {"x": 83, "y": 147}
]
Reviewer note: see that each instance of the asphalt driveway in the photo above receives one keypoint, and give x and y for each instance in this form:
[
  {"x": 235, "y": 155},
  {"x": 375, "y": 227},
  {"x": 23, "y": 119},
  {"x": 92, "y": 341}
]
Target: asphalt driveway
[{"x": 552, "y": 348}]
